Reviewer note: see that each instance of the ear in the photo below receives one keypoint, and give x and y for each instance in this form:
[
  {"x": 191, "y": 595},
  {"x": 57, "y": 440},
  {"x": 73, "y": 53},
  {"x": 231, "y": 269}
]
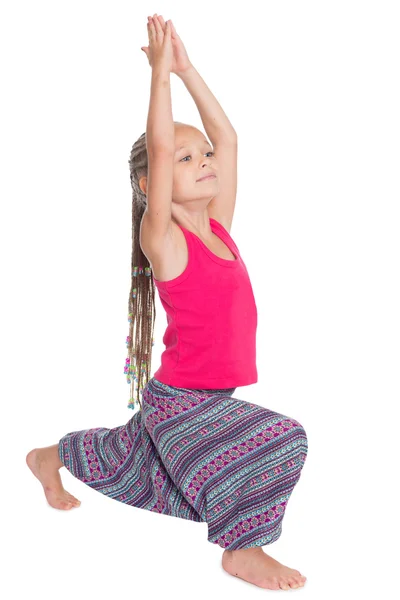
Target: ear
[{"x": 143, "y": 184}]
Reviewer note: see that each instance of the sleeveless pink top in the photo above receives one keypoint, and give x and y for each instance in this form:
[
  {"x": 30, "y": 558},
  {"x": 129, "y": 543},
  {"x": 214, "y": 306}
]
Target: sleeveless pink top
[{"x": 210, "y": 339}]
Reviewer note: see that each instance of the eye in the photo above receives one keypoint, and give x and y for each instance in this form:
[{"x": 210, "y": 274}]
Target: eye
[{"x": 183, "y": 159}]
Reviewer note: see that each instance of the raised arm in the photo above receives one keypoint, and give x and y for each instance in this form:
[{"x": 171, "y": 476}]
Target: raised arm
[
  {"x": 160, "y": 140},
  {"x": 218, "y": 128},
  {"x": 224, "y": 140}
]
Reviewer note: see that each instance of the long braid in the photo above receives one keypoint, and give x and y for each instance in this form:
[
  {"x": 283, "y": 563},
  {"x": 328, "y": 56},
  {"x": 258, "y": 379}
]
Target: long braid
[{"x": 141, "y": 305}]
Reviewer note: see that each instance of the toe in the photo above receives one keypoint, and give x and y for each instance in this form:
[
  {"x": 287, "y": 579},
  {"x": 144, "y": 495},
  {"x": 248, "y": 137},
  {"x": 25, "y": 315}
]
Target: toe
[
  {"x": 284, "y": 585},
  {"x": 71, "y": 499}
]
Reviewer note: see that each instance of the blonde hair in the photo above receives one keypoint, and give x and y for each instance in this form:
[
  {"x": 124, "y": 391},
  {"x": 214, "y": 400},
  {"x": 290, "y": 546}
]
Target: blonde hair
[{"x": 141, "y": 304}]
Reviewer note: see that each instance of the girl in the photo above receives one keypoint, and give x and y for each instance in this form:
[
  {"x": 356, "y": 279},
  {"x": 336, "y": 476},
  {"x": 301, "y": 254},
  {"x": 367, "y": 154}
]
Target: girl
[{"x": 192, "y": 450}]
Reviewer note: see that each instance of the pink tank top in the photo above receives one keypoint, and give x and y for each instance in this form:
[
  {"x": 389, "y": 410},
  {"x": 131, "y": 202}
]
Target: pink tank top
[{"x": 210, "y": 339}]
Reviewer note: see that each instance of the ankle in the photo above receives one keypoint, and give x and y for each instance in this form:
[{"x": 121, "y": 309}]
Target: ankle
[
  {"x": 243, "y": 552},
  {"x": 53, "y": 456}
]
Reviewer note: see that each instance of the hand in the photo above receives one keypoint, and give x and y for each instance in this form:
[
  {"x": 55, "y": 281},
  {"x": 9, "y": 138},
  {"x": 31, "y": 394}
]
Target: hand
[
  {"x": 180, "y": 60},
  {"x": 159, "y": 52}
]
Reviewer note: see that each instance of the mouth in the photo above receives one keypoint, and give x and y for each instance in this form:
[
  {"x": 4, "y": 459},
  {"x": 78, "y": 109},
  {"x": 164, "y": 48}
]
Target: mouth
[{"x": 207, "y": 177}]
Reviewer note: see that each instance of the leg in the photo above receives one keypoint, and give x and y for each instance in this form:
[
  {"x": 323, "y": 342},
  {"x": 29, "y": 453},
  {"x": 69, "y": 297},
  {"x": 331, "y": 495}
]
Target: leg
[
  {"x": 45, "y": 465},
  {"x": 124, "y": 464},
  {"x": 237, "y": 463}
]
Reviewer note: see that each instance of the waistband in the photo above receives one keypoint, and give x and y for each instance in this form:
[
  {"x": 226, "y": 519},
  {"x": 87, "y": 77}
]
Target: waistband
[{"x": 158, "y": 387}]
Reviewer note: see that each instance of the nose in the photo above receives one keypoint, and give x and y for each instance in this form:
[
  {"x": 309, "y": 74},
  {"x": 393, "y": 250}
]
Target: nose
[{"x": 206, "y": 162}]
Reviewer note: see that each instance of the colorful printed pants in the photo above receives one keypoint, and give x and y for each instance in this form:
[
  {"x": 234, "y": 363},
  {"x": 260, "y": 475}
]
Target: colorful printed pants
[{"x": 197, "y": 454}]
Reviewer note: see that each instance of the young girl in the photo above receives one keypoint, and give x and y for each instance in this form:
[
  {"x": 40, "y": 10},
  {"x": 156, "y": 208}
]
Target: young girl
[{"x": 192, "y": 450}]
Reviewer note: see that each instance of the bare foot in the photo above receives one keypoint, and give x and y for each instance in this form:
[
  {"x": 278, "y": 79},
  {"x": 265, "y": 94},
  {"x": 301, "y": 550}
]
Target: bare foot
[
  {"x": 44, "y": 464},
  {"x": 255, "y": 566}
]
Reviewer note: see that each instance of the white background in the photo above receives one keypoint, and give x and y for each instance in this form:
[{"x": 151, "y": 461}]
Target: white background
[{"x": 312, "y": 89}]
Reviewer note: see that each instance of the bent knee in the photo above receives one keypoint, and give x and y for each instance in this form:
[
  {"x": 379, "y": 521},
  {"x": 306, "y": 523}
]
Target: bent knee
[{"x": 300, "y": 434}]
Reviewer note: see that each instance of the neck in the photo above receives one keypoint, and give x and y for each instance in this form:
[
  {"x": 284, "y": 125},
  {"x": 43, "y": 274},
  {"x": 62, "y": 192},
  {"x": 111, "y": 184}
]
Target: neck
[{"x": 198, "y": 222}]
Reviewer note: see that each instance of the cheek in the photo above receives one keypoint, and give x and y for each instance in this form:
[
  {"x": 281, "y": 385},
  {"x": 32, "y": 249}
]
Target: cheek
[{"x": 182, "y": 177}]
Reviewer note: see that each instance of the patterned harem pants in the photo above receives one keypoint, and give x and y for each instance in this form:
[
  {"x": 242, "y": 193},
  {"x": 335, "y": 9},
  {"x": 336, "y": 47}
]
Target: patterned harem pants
[{"x": 197, "y": 454}]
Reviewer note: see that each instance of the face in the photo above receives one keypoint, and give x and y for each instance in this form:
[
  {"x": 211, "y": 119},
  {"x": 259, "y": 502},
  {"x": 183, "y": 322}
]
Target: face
[{"x": 194, "y": 158}]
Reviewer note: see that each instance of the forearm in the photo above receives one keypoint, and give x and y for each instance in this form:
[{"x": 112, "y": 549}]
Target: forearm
[
  {"x": 160, "y": 132},
  {"x": 215, "y": 121}
]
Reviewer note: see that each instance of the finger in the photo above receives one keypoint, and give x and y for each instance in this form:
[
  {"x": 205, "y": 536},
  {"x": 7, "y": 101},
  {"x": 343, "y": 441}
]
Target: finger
[
  {"x": 157, "y": 25},
  {"x": 162, "y": 22},
  {"x": 173, "y": 30},
  {"x": 151, "y": 30}
]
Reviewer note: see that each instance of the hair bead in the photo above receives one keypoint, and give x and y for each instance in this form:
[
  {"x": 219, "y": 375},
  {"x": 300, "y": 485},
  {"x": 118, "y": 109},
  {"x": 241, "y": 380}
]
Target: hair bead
[
  {"x": 140, "y": 297},
  {"x": 131, "y": 372},
  {"x": 138, "y": 270}
]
